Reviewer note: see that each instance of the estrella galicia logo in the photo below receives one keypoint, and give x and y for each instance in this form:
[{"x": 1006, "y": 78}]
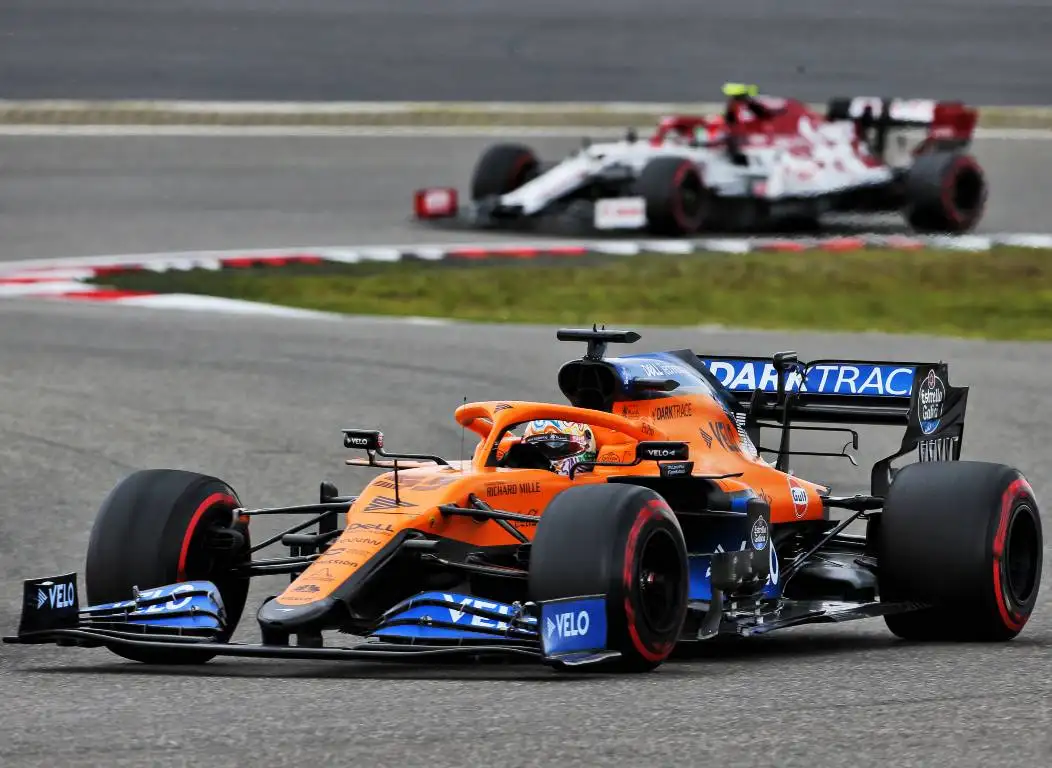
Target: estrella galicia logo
[
  {"x": 930, "y": 399},
  {"x": 759, "y": 534}
]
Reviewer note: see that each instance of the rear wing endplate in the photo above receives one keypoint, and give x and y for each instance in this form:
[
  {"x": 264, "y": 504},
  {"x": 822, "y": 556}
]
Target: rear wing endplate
[{"x": 783, "y": 390}]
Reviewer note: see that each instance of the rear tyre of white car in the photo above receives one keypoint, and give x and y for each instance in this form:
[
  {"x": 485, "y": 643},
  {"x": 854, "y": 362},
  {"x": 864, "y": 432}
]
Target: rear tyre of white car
[
  {"x": 945, "y": 192},
  {"x": 676, "y": 198},
  {"x": 502, "y": 169}
]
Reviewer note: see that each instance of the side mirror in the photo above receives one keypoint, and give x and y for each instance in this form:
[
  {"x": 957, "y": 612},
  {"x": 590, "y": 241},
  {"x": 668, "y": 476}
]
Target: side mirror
[
  {"x": 363, "y": 439},
  {"x": 661, "y": 450}
]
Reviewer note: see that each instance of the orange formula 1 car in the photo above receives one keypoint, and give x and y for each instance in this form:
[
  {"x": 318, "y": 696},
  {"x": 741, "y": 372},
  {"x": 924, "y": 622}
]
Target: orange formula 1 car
[{"x": 602, "y": 533}]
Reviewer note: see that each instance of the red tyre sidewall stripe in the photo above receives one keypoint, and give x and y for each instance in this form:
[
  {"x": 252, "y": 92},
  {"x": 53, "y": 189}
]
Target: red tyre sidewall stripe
[
  {"x": 648, "y": 512},
  {"x": 1019, "y": 488},
  {"x": 204, "y": 506},
  {"x": 948, "y": 187},
  {"x": 677, "y": 209}
]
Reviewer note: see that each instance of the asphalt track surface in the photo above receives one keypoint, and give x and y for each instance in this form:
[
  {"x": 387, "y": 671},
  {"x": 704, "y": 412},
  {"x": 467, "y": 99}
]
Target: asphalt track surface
[
  {"x": 62, "y": 197},
  {"x": 544, "y": 50},
  {"x": 87, "y": 396}
]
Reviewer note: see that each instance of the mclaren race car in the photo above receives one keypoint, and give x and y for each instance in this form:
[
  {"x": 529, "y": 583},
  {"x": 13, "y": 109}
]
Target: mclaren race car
[
  {"x": 678, "y": 527},
  {"x": 764, "y": 164}
]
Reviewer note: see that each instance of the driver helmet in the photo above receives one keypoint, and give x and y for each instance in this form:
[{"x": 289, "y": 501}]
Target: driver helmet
[{"x": 564, "y": 443}]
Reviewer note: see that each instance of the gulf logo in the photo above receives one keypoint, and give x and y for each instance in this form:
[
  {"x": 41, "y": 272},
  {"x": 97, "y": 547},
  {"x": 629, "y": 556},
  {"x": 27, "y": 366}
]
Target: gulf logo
[{"x": 799, "y": 495}]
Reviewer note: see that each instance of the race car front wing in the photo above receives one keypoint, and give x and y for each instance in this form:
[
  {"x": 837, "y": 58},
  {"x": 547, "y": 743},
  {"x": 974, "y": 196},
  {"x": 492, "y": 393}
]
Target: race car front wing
[{"x": 569, "y": 632}]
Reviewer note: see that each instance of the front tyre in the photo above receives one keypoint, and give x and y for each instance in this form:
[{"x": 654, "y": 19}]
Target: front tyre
[
  {"x": 677, "y": 201},
  {"x": 624, "y": 542},
  {"x": 501, "y": 169},
  {"x": 965, "y": 538},
  {"x": 163, "y": 526}
]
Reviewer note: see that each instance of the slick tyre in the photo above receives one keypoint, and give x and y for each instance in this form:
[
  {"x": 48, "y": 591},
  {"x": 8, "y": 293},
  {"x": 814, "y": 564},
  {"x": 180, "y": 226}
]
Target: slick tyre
[
  {"x": 677, "y": 201},
  {"x": 945, "y": 192},
  {"x": 965, "y": 538},
  {"x": 163, "y": 526},
  {"x": 501, "y": 169},
  {"x": 623, "y": 542}
]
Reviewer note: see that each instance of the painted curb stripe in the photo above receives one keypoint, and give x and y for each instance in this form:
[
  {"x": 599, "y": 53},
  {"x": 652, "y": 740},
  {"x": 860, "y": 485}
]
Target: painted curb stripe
[{"x": 67, "y": 280}]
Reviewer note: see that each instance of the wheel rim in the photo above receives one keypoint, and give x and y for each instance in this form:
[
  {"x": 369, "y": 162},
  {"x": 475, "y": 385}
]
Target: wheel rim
[
  {"x": 200, "y": 559},
  {"x": 965, "y": 193},
  {"x": 1021, "y": 555},
  {"x": 659, "y": 581},
  {"x": 691, "y": 200}
]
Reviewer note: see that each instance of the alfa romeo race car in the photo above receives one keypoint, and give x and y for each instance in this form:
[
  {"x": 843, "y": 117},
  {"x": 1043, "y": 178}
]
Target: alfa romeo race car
[
  {"x": 679, "y": 528},
  {"x": 765, "y": 163}
]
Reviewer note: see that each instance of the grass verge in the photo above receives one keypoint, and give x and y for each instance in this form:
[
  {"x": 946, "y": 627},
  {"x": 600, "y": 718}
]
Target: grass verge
[{"x": 1005, "y": 293}]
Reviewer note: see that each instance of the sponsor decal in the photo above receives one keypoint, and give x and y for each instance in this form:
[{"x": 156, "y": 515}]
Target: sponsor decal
[
  {"x": 174, "y": 603},
  {"x": 825, "y": 379},
  {"x": 344, "y": 563},
  {"x": 658, "y": 451},
  {"x": 630, "y": 411},
  {"x": 501, "y": 407},
  {"x": 646, "y": 429},
  {"x": 728, "y": 438},
  {"x": 324, "y": 574},
  {"x": 677, "y": 469},
  {"x": 610, "y": 458},
  {"x": 620, "y": 213},
  {"x": 513, "y": 489},
  {"x": 375, "y": 527},
  {"x": 62, "y": 595},
  {"x": 573, "y": 626},
  {"x": 471, "y": 620},
  {"x": 759, "y": 534},
  {"x": 673, "y": 411},
  {"x": 385, "y": 504},
  {"x": 705, "y": 436},
  {"x": 937, "y": 449},
  {"x": 799, "y": 494},
  {"x": 930, "y": 400},
  {"x": 307, "y": 588},
  {"x": 414, "y": 483},
  {"x": 657, "y": 370}
]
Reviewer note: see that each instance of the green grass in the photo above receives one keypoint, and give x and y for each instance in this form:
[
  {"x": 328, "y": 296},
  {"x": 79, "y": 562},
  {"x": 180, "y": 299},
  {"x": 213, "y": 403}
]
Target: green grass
[{"x": 1002, "y": 294}]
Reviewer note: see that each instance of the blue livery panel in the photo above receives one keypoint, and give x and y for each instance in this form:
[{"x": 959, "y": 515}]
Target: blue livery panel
[
  {"x": 829, "y": 378},
  {"x": 575, "y": 625},
  {"x": 192, "y": 604},
  {"x": 727, "y": 536},
  {"x": 451, "y": 616},
  {"x": 660, "y": 365}
]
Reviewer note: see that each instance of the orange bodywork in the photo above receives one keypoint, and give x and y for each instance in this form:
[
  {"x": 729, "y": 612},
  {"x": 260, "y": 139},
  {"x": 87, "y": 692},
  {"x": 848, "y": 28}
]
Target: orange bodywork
[{"x": 700, "y": 421}]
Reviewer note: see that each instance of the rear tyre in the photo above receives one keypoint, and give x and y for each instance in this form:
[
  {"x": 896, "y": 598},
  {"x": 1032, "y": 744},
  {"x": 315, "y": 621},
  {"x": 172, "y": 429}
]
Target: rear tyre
[
  {"x": 501, "y": 169},
  {"x": 945, "y": 192},
  {"x": 964, "y": 537},
  {"x": 624, "y": 542},
  {"x": 157, "y": 527},
  {"x": 676, "y": 198}
]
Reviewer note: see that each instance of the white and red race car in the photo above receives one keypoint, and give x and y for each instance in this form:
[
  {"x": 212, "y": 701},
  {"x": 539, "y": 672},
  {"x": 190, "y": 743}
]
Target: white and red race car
[{"x": 765, "y": 162}]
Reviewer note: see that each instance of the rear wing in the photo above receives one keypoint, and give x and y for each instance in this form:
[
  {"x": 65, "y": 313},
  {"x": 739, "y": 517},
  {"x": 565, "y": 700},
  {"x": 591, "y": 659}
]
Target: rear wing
[
  {"x": 780, "y": 391},
  {"x": 949, "y": 124}
]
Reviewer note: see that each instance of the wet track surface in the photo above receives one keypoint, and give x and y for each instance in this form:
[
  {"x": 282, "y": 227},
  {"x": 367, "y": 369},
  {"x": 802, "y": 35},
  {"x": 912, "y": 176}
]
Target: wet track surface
[
  {"x": 90, "y": 393},
  {"x": 115, "y": 195},
  {"x": 601, "y": 50}
]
